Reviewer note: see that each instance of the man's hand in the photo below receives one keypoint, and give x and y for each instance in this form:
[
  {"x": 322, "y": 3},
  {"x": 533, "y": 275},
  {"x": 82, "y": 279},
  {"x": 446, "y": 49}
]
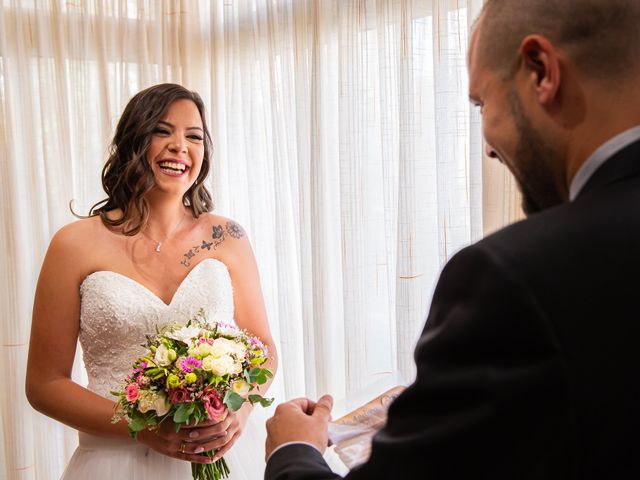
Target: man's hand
[{"x": 300, "y": 420}]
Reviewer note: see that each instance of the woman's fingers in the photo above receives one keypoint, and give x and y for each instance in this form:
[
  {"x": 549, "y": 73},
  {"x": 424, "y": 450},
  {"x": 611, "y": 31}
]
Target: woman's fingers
[
  {"x": 226, "y": 448},
  {"x": 193, "y": 458},
  {"x": 204, "y": 433},
  {"x": 217, "y": 442},
  {"x": 192, "y": 440},
  {"x": 208, "y": 422},
  {"x": 208, "y": 445}
]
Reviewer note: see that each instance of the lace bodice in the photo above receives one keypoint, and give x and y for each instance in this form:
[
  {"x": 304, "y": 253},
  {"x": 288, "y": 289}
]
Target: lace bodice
[{"x": 116, "y": 312}]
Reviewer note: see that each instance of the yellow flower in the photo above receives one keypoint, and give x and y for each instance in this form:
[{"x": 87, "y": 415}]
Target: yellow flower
[
  {"x": 190, "y": 377},
  {"x": 201, "y": 350},
  {"x": 173, "y": 381}
]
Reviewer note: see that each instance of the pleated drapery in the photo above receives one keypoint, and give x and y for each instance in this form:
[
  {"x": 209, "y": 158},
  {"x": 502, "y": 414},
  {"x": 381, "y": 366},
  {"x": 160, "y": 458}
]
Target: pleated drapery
[{"x": 344, "y": 143}]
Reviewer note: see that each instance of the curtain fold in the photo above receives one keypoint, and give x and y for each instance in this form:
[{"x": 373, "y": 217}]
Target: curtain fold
[{"x": 344, "y": 143}]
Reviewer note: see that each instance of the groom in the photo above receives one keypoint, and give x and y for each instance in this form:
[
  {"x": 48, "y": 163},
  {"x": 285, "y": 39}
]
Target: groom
[{"x": 528, "y": 367}]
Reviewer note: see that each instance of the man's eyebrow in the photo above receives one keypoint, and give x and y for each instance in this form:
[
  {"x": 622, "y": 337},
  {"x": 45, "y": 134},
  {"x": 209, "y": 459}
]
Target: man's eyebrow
[{"x": 173, "y": 126}]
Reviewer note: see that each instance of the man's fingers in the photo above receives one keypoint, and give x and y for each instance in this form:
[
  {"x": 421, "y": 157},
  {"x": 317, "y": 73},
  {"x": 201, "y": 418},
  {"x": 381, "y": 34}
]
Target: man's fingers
[
  {"x": 297, "y": 404},
  {"x": 323, "y": 408}
]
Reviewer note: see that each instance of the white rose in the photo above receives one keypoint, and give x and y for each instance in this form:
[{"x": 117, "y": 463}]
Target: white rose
[
  {"x": 161, "y": 404},
  {"x": 224, "y": 346},
  {"x": 241, "y": 387},
  {"x": 153, "y": 401},
  {"x": 145, "y": 401},
  {"x": 221, "y": 365},
  {"x": 163, "y": 356},
  {"x": 184, "y": 334},
  {"x": 240, "y": 350}
]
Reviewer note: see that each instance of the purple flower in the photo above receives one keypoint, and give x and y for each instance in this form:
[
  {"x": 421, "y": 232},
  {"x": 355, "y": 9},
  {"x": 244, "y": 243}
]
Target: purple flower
[{"x": 189, "y": 364}]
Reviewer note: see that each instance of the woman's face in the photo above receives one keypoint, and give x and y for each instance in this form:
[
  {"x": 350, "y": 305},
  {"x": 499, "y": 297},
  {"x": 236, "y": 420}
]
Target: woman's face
[{"x": 177, "y": 148}]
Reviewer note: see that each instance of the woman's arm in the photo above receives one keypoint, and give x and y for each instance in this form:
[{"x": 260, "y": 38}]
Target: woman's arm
[
  {"x": 54, "y": 334},
  {"x": 250, "y": 311},
  {"x": 250, "y": 315}
]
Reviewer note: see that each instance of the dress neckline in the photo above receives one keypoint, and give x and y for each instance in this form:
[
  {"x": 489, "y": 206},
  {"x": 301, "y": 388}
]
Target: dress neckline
[{"x": 147, "y": 289}]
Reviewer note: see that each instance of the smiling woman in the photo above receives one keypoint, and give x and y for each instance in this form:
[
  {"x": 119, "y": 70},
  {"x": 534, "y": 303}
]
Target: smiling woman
[
  {"x": 119, "y": 274},
  {"x": 161, "y": 128}
]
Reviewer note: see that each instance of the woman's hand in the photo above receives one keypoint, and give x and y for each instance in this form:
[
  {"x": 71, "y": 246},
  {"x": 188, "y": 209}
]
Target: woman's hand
[
  {"x": 192, "y": 440},
  {"x": 236, "y": 422},
  {"x": 189, "y": 442}
]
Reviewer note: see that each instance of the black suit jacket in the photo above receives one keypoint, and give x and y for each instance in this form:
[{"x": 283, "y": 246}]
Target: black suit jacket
[{"x": 529, "y": 364}]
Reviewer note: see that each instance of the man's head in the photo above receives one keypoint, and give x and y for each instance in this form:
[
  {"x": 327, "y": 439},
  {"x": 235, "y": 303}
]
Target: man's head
[{"x": 551, "y": 77}]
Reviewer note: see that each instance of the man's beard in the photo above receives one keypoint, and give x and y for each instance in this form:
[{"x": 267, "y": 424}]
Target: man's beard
[{"x": 532, "y": 164}]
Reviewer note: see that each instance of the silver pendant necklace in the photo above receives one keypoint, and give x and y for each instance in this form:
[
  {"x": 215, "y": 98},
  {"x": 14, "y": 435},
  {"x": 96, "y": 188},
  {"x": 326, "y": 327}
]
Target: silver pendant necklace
[{"x": 174, "y": 230}]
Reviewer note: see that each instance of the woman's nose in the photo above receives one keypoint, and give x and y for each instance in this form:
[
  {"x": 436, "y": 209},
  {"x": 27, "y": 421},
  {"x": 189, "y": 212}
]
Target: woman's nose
[{"x": 178, "y": 145}]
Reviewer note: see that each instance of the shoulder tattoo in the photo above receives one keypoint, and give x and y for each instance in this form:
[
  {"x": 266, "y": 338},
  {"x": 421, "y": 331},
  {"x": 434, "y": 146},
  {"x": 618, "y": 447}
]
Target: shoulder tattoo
[{"x": 219, "y": 233}]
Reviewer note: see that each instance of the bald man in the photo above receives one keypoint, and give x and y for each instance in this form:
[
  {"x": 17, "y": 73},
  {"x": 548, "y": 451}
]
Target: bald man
[{"x": 528, "y": 366}]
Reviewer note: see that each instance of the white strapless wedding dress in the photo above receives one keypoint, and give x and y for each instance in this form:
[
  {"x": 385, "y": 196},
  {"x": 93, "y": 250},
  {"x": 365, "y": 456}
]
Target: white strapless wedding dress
[{"x": 115, "y": 314}]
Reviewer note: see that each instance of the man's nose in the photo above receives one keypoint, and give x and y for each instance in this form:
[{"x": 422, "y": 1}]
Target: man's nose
[{"x": 489, "y": 151}]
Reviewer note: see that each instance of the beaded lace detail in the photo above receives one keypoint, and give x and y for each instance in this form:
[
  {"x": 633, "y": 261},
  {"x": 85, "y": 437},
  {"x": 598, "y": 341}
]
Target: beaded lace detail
[{"x": 117, "y": 312}]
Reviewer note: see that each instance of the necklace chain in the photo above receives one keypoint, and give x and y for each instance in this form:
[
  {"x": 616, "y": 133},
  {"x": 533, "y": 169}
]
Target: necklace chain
[{"x": 159, "y": 243}]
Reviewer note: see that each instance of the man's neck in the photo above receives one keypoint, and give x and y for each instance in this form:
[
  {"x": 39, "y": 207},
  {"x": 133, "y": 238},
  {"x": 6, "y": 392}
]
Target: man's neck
[{"x": 605, "y": 121}]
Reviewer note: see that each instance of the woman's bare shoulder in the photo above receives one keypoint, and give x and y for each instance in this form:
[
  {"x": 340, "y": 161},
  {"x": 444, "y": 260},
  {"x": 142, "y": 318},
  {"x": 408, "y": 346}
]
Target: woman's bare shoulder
[
  {"x": 78, "y": 233},
  {"x": 224, "y": 227},
  {"x": 228, "y": 237},
  {"x": 76, "y": 242}
]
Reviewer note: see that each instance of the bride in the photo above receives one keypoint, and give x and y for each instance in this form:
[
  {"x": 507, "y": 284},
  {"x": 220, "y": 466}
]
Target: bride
[{"x": 150, "y": 254}]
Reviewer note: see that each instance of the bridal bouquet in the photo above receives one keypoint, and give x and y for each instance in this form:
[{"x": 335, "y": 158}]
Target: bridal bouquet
[{"x": 192, "y": 373}]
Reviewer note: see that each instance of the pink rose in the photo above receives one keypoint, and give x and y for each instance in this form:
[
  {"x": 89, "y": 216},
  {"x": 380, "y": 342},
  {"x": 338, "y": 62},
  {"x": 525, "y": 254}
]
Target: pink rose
[
  {"x": 179, "y": 395},
  {"x": 132, "y": 391},
  {"x": 214, "y": 406}
]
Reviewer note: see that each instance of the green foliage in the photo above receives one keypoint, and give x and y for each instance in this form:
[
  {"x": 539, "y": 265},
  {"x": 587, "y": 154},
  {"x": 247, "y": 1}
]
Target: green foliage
[
  {"x": 199, "y": 414},
  {"x": 265, "y": 402},
  {"x": 257, "y": 375},
  {"x": 137, "y": 423},
  {"x": 233, "y": 401},
  {"x": 183, "y": 412}
]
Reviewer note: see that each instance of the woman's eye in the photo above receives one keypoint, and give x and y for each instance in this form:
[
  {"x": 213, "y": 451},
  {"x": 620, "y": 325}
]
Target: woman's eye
[
  {"x": 195, "y": 137},
  {"x": 161, "y": 131}
]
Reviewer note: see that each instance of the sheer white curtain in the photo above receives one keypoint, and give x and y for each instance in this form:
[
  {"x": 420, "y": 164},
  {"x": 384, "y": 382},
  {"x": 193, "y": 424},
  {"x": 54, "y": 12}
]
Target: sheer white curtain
[{"x": 344, "y": 143}]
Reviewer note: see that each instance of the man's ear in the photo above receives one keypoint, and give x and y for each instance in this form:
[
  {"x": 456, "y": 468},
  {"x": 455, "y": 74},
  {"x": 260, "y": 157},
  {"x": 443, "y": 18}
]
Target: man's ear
[{"x": 541, "y": 63}]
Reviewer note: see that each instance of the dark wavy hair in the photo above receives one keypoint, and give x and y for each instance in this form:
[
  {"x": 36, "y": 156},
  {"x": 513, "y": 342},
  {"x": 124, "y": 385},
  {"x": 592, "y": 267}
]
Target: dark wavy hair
[{"x": 127, "y": 176}]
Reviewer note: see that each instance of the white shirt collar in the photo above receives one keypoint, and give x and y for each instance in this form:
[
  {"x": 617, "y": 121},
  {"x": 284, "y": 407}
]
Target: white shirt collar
[{"x": 601, "y": 155}]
